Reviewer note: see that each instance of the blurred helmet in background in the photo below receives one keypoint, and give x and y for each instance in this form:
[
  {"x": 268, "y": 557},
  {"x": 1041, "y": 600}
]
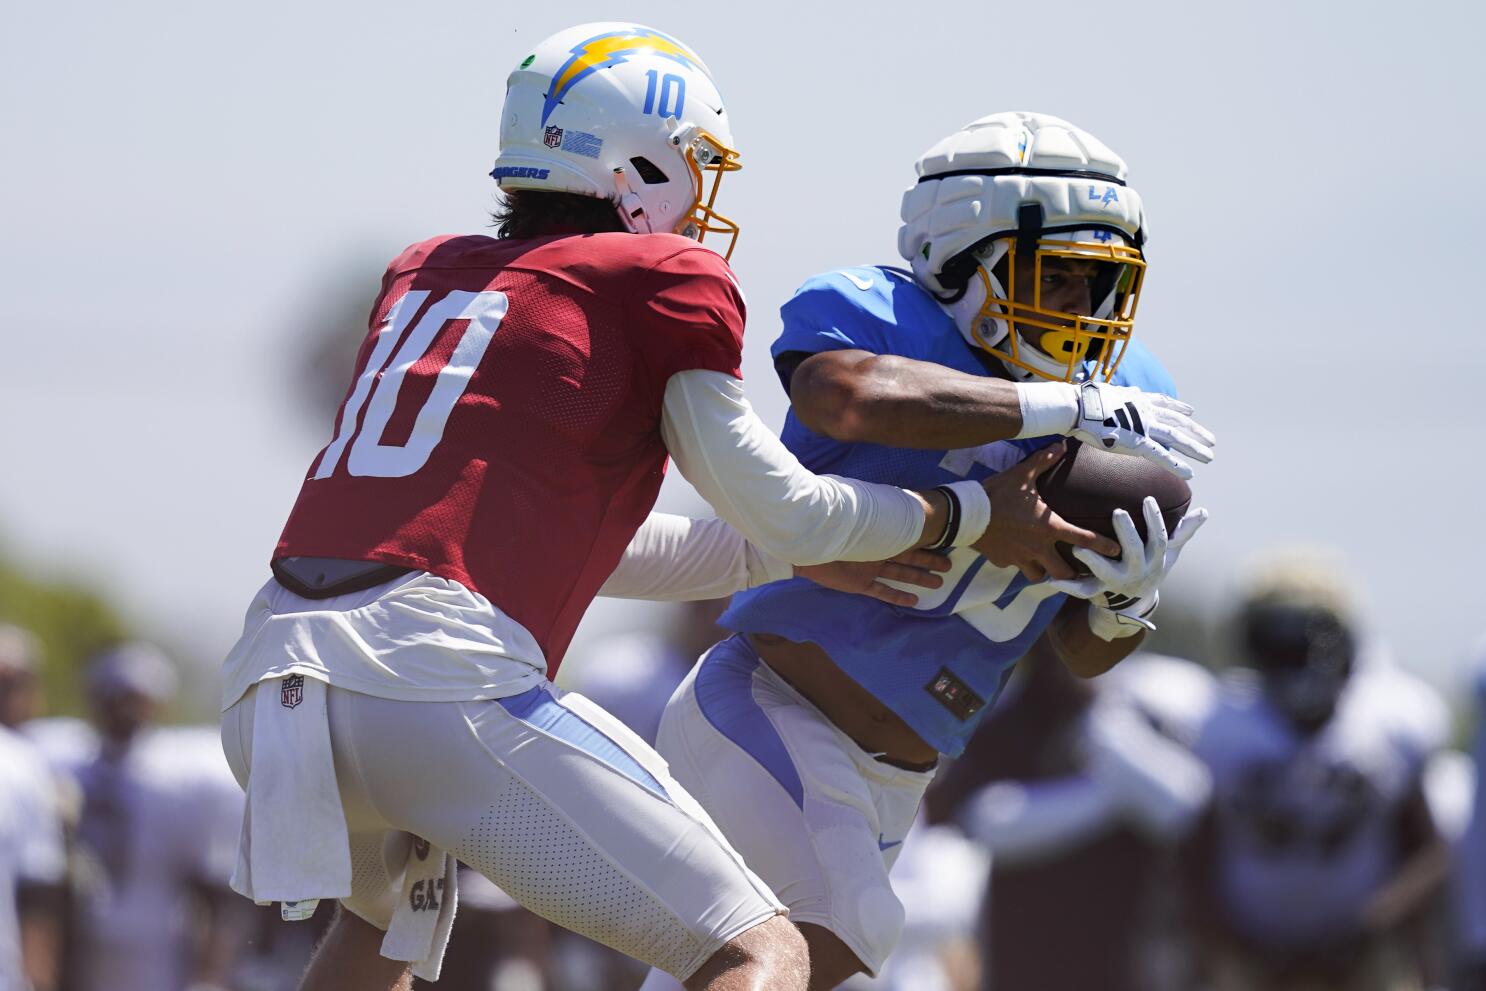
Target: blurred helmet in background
[
  {"x": 128, "y": 684},
  {"x": 20, "y": 684},
  {"x": 1296, "y": 628}
]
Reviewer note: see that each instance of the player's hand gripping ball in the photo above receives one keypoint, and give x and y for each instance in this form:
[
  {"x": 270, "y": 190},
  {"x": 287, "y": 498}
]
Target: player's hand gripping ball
[{"x": 1141, "y": 505}]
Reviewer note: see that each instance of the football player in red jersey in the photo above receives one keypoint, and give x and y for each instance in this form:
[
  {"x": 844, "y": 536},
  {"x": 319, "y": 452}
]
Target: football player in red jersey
[{"x": 491, "y": 470}]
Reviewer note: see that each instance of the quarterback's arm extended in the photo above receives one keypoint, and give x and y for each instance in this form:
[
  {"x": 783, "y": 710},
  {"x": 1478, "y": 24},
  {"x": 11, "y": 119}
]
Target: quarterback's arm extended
[
  {"x": 739, "y": 466},
  {"x": 679, "y": 559},
  {"x": 758, "y": 486}
]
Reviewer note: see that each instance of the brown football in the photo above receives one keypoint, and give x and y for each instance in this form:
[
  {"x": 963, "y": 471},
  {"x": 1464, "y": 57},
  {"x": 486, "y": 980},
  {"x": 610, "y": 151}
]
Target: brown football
[{"x": 1087, "y": 485}]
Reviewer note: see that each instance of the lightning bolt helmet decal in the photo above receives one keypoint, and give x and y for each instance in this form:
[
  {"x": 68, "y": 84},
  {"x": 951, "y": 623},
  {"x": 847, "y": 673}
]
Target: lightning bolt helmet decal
[
  {"x": 648, "y": 131},
  {"x": 606, "y": 50}
]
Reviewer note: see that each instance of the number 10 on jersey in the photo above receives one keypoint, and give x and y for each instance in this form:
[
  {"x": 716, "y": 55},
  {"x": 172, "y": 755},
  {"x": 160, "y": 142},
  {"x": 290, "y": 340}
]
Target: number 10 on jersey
[{"x": 377, "y": 388}]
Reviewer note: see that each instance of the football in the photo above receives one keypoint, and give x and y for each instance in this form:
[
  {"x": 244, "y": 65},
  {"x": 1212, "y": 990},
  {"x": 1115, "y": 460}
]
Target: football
[{"x": 1087, "y": 485}]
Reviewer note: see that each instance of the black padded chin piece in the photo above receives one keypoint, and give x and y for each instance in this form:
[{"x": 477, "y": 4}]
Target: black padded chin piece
[
  {"x": 956, "y": 275},
  {"x": 1028, "y": 229}
]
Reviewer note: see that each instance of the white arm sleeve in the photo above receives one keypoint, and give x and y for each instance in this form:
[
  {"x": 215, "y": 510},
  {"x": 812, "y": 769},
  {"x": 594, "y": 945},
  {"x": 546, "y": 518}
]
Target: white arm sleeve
[
  {"x": 677, "y": 559},
  {"x": 739, "y": 466},
  {"x": 1027, "y": 821},
  {"x": 1159, "y": 784}
]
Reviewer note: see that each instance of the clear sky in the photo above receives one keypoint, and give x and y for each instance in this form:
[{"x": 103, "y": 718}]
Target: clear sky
[{"x": 186, "y": 184}]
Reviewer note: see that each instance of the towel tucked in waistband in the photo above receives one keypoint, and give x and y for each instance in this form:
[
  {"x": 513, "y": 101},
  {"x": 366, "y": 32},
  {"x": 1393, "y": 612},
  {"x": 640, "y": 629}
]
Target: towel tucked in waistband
[{"x": 294, "y": 846}]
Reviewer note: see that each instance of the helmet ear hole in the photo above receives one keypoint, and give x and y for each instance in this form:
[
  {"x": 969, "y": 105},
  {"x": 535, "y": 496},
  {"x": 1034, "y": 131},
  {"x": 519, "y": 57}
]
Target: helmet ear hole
[{"x": 649, "y": 172}]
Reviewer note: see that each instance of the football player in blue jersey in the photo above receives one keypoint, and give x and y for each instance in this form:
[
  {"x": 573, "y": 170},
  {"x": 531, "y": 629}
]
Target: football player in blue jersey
[{"x": 811, "y": 735}]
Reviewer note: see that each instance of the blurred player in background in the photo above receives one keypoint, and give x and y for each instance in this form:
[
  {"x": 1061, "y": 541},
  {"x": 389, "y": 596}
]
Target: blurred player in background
[
  {"x": 1083, "y": 790},
  {"x": 32, "y": 852},
  {"x": 1320, "y": 856},
  {"x": 1470, "y": 875},
  {"x": 173, "y": 776},
  {"x": 32, "y": 869},
  {"x": 20, "y": 682},
  {"x": 811, "y": 736},
  {"x": 500, "y": 446},
  {"x": 151, "y": 910}
]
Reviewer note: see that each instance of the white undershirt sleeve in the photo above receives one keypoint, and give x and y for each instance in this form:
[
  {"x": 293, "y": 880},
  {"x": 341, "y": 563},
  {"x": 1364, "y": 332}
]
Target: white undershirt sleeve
[
  {"x": 677, "y": 559},
  {"x": 739, "y": 466}
]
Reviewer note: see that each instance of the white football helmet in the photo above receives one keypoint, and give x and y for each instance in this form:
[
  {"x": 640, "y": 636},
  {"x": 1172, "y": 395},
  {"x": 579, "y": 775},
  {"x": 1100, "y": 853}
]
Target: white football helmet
[
  {"x": 1018, "y": 189},
  {"x": 625, "y": 113}
]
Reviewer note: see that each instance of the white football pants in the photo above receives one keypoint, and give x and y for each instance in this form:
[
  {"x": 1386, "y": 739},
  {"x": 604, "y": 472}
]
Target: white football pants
[{"x": 548, "y": 796}]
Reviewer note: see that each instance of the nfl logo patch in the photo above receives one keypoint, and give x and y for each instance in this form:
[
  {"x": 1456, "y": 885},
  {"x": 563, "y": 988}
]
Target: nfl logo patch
[
  {"x": 291, "y": 691},
  {"x": 552, "y": 137},
  {"x": 956, "y": 696}
]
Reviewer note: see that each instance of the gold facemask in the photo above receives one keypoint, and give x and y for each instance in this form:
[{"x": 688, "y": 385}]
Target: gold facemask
[
  {"x": 706, "y": 154},
  {"x": 1065, "y": 340}
]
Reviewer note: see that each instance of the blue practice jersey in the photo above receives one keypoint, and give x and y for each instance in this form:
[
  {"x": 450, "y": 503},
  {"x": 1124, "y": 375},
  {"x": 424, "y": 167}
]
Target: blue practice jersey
[{"x": 939, "y": 664}]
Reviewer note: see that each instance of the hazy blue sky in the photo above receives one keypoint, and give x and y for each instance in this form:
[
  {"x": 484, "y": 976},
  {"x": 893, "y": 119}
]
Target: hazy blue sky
[{"x": 184, "y": 184}]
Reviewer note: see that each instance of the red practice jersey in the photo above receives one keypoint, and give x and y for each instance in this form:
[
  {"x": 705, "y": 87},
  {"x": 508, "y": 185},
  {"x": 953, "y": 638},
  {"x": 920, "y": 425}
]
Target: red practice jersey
[{"x": 503, "y": 426}]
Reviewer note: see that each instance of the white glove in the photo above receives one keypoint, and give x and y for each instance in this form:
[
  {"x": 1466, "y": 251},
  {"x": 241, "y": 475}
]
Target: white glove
[
  {"x": 1125, "y": 420},
  {"x": 1121, "y": 617},
  {"x": 1120, "y": 584}
]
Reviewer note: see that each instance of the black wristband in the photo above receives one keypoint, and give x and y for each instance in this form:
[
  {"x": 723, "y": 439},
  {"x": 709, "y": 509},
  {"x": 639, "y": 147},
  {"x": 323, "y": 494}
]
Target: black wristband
[{"x": 952, "y": 524}]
